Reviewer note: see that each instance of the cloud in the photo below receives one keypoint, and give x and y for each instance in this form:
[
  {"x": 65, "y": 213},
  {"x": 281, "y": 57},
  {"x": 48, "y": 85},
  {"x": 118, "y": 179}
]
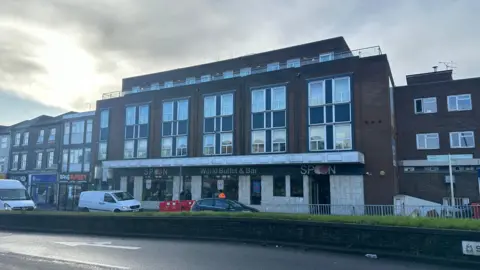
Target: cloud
[{"x": 66, "y": 53}]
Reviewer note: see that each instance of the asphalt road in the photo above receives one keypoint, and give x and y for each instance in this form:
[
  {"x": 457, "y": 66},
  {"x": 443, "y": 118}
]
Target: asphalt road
[{"x": 28, "y": 251}]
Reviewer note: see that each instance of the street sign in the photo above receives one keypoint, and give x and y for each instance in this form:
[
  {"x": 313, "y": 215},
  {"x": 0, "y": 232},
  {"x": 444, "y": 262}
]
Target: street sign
[
  {"x": 96, "y": 244},
  {"x": 471, "y": 248}
]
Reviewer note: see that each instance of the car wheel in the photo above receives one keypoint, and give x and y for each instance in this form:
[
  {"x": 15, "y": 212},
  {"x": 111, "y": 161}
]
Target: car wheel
[
  {"x": 86, "y": 210},
  {"x": 116, "y": 211}
]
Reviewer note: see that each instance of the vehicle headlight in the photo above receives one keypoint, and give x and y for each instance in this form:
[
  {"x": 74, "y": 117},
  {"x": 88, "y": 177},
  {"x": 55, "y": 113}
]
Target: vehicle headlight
[
  {"x": 124, "y": 208},
  {"x": 7, "y": 207}
]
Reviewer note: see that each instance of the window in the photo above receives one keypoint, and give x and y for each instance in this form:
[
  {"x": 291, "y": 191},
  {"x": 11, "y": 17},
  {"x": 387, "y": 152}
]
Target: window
[
  {"x": 426, "y": 105},
  {"x": 226, "y": 140},
  {"x": 3, "y": 142},
  {"x": 168, "y": 84},
  {"x": 66, "y": 134},
  {"x": 206, "y": 78},
  {"x": 51, "y": 137},
  {"x": 329, "y": 114},
  {"x": 273, "y": 66},
  {"x": 155, "y": 86},
  {"x": 279, "y": 186},
  {"x": 158, "y": 189},
  {"x": 293, "y": 63},
  {"x": 78, "y": 129},
  {"x": 88, "y": 135},
  {"x": 103, "y": 136},
  {"x": 87, "y": 157},
  {"x": 50, "y": 159},
  {"x": 136, "y": 131},
  {"x": 218, "y": 124},
  {"x": 190, "y": 80},
  {"x": 463, "y": 139},
  {"x": 228, "y": 74},
  {"x": 102, "y": 151},
  {"x": 25, "y": 138},
  {"x": 76, "y": 160},
  {"x": 245, "y": 72},
  {"x": 296, "y": 186},
  {"x": 428, "y": 141},
  {"x": 17, "y": 139},
  {"x": 175, "y": 128},
  {"x": 23, "y": 162},
  {"x": 181, "y": 146},
  {"x": 2, "y": 164},
  {"x": 167, "y": 147},
  {"x": 269, "y": 120},
  {"x": 15, "y": 162},
  {"x": 39, "y": 159},
  {"x": 459, "y": 103},
  {"x": 65, "y": 160},
  {"x": 41, "y": 136},
  {"x": 326, "y": 57},
  {"x": 209, "y": 144}
]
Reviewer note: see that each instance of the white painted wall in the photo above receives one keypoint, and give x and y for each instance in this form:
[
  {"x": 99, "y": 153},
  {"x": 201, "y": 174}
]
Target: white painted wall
[
  {"x": 123, "y": 183},
  {"x": 196, "y": 187},
  {"x": 347, "y": 194},
  {"x": 244, "y": 189},
  {"x": 177, "y": 182}
]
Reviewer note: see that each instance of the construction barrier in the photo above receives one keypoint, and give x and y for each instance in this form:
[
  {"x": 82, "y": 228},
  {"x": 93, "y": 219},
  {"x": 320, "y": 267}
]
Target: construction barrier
[{"x": 176, "y": 206}]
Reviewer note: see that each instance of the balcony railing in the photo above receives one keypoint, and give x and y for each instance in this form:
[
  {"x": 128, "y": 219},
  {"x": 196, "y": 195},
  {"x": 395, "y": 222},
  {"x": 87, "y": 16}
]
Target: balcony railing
[{"x": 365, "y": 52}]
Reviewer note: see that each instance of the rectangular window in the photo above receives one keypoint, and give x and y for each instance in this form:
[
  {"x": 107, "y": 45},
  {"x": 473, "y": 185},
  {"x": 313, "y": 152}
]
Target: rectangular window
[
  {"x": 50, "y": 159},
  {"x": 76, "y": 160},
  {"x": 102, "y": 151},
  {"x": 65, "y": 160},
  {"x": 66, "y": 134},
  {"x": 190, "y": 80},
  {"x": 130, "y": 116},
  {"x": 341, "y": 90},
  {"x": 279, "y": 140},
  {"x": 258, "y": 141},
  {"x": 206, "y": 78},
  {"x": 316, "y": 93},
  {"x": 17, "y": 139},
  {"x": 137, "y": 120},
  {"x": 88, "y": 135},
  {"x": 428, "y": 141},
  {"x": 142, "y": 148},
  {"x": 228, "y": 74},
  {"x": 23, "y": 162},
  {"x": 182, "y": 110},
  {"x": 167, "y": 147},
  {"x": 155, "y": 86},
  {"x": 317, "y": 138},
  {"x": 296, "y": 186},
  {"x": 279, "y": 186},
  {"x": 245, "y": 72},
  {"x": 279, "y": 101},
  {"x": 15, "y": 162},
  {"x": 324, "y": 57},
  {"x": 463, "y": 139},
  {"x": 51, "y": 137},
  {"x": 226, "y": 140},
  {"x": 426, "y": 105},
  {"x": 143, "y": 114},
  {"x": 258, "y": 101},
  {"x": 25, "y": 138},
  {"x": 343, "y": 137},
  {"x": 168, "y": 111},
  {"x": 104, "y": 116},
  {"x": 168, "y": 84},
  {"x": 78, "y": 129},
  {"x": 3, "y": 142},
  {"x": 227, "y": 104},
  {"x": 209, "y": 144},
  {"x": 41, "y": 137},
  {"x": 459, "y": 103},
  {"x": 129, "y": 148},
  {"x": 209, "y": 106},
  {"x": 293, "y": 63},
  {"x": 181, "y": 145},
  {"x": 39, "y": 160},
  {"x": 87, "y": 159},
  {"x": 273, "y": 66}
]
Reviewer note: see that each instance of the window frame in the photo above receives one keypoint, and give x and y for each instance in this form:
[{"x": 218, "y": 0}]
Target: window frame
[
  {"x": 274, "y": 66},
  {"x": 323, "y": 101},
  {"x": 26, "y": 138},
  {"x": 50, "y": 157},
  {"x": 324, "y": 127},
  {"x": 247, "y": 71},
  {"x": 273, "y": 141},
  {"x": 459, "y": 97},
  {"x": 294, "y": 63},
  {"x": 423, "y": 101},
  {"x": 163, "y": 148},
  {"x": 330, "y": 55},
  {"x": 41, "y": 137},
  {"x": 334, "y": 90},
  {"x": 205, "y": 78},
  {"x": 226, "y": 146},
  {"x": 213, "y": 135},
  {"x": 335, "y": 126},
  {"x": 177, "y": 148},
  {"x": 38, "y": 160},
  {"x": 459, "y": 139},
  {"x": 254, "y": 144},
  {"x": 418, "y": 138}
]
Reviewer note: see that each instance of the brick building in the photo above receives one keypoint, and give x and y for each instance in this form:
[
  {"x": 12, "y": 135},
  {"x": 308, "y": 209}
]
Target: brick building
[{"x": 310, "y": 124}]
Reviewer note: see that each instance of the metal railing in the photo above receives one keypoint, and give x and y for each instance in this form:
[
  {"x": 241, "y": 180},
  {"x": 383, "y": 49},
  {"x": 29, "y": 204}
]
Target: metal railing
[
  {"x": 440, "y": 211},
  {"x": 364, "y": 52}
]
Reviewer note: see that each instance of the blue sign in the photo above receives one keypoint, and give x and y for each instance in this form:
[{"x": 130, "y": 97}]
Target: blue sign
[{"x": 44, "y": 178}]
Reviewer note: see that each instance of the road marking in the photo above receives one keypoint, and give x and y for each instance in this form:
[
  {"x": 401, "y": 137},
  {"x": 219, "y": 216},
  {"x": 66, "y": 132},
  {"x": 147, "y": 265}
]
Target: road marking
[{"x": 96, "y": 244}]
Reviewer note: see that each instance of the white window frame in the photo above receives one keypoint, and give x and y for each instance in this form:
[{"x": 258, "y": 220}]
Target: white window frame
[
  {"x": 212, "y": 110},
  {"x": 23, "y": 161},
  {"x": 26, "y": 137},
  {"x": 190, "y": 80},
  {"x": 168, "y": 84},
  {"x": 345, "y": 98},
  {"x": 132, "y": 120},
  {"x": 206, "y": 78},
  {"x": 89, "y": 131},
  {"x": 3, "y": 142},
  {"x": 15, "y": 161},
  {"x": 284, "y": 105},
  {"x": 425, "y": 137},
  {"x": 183, "y": 150},
  {"x": 228, "y": 74},
  {"x": 164, "y": 148},
  {"x": 38, "y": 160},
  {"x": 53, "y": 134},
  {"x": 130, "y": 152},
  {"x": 460, "y": 133},
  {"x": 76, "y": 155},
  {"x": 273, "y": 66},
  {"x": 425, "y": 101},
  {"x": 102, "y": 150},
  {"x": 454, "y": 107},
  {"x": 223, "y": 107},
  {"x": 322, "y": 98},
  {"x": 65, "y": 156},
  {"x": 224, "y": 147},
  {"x": 245, "y": 71},
  {"x": 81, "y": 125},
  {"x": 255, "y": 144},
  {"x": 294, "y": 63},
  {"x": 179, "y": 118},
  {"x": 166, "y": 112},
  {"x": 50, "y": 159},
  {"x": 142, "y": 118},
  {"x": 205, "y": 153},
  {"x": 329, "y": 55},
  {"x": 335, "y": 137},
  {"x": 18, "y": 139},
  {"x": 41, "y": 137},
  {"x": 317, "y": 141},
  {"x": 87, "y": 159},
  {"x": 143, "y": 151},
  {"x": 104, "y": 117},
  {"x": 264, "y": 101},
  {"x": 273, "y": 143}
]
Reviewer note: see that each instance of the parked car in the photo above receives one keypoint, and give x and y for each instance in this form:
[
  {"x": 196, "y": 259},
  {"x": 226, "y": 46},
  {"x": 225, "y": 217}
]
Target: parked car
[
  {"x": 108, "y": 201},
  {"x": 14, "y": 196},
  {"x": 221, "y": 205}
]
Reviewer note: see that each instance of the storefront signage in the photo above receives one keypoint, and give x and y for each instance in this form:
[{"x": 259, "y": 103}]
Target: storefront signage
[
  {"x": 318, "y": 169},
  {"x": 73, "y": 177},
  {"x": 44, "y": 178},
  {"x": 156, "y": 172},
  {"x": 21, "y": 178},
  {"x": 228, "y": 171}
]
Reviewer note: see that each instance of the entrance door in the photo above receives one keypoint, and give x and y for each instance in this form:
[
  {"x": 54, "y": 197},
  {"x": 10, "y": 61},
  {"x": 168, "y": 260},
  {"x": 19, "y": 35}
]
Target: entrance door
[
  {"x": 320, "y": 194},
  {"x": 255, "y": 190}
]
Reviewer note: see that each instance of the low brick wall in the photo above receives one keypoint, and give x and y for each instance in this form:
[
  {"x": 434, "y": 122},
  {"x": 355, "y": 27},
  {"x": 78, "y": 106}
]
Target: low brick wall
[{"x": 443, "y": 246}]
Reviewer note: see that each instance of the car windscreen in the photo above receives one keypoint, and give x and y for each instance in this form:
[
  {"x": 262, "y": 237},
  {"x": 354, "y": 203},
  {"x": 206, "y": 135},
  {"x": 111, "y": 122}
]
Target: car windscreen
[
  {"x": 123, "y": 196},
  {"x": 14, "y": 195}
]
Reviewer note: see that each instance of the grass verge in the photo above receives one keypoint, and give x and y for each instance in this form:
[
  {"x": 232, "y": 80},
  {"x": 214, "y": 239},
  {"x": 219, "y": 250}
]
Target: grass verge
[{"x": 436, "y": 223}]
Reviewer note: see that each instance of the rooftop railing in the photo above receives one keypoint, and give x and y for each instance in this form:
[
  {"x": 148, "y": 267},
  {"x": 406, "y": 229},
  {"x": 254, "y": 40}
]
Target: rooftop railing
[{"x": 364, "y": 52}]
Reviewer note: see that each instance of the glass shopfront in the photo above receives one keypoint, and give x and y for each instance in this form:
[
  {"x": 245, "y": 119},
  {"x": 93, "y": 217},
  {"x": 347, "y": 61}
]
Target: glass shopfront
[
  {"x": 213, "y": 184},
  {"x": 158, "y": 189}
]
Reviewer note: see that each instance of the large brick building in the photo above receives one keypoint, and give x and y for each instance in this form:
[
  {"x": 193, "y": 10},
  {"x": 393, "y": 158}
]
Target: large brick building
[
  {"x": 436, "y": 116},
  {"x": 310, "y": 124}
]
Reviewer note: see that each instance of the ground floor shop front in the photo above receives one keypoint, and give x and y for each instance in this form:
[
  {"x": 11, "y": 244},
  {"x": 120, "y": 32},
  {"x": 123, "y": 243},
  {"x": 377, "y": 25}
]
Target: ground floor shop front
[{"x": 272, "y": 187}]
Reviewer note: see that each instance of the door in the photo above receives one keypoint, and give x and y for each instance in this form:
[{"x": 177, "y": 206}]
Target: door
[
  {"x": 255, "y": 190},
  {"x": 320, "y": 194},
  {"x": 108, "y": 203}
]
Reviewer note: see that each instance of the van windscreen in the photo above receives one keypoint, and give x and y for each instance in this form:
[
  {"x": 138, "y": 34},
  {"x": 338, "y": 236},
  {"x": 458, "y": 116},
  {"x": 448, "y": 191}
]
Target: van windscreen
[
  {"x": 122, "y": 196},
  {"x": 14, "y": 195}
]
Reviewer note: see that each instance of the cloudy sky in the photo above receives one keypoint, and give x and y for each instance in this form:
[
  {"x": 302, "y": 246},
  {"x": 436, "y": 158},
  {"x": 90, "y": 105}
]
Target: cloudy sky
[{"x": 58, "y": 55}]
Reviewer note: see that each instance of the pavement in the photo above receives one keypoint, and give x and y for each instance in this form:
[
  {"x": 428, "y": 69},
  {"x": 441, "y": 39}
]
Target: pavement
[{"x": 28, "y": 251}]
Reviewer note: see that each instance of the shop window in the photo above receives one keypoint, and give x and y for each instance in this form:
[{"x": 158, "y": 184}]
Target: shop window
[
  {"x": 211, "y": 185},
  {"x": 279, "y": 186},
  {"x": 296, "y": 186},
  {"x": 159, "y": 189}
]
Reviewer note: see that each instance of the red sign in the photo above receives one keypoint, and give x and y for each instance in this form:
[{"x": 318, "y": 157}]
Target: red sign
[{"x": 73, "y": 177}]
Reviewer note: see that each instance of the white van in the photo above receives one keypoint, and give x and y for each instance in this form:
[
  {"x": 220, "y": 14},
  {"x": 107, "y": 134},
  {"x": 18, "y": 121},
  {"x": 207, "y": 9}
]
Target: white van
[
  {"x": 108, "y": 201},
  {"x": 14, "y": 196}
]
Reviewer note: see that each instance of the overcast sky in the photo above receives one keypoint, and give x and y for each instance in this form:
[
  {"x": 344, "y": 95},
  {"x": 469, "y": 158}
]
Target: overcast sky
[{"x": 58, "y": 55}]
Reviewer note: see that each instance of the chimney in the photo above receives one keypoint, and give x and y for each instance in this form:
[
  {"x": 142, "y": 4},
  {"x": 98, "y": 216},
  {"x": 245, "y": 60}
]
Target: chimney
[{"x": 435, "y": 68}]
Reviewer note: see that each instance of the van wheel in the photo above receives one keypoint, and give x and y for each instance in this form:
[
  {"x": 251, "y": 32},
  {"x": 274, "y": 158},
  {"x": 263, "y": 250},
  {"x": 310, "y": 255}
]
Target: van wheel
[
  {"x": 116, "y": 211},
  {"x": 84, "y": 210}
]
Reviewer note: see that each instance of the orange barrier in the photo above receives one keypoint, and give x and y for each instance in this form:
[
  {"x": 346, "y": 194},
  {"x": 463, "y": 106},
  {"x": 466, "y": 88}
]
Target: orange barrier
[{"x": 176, "y": 206}]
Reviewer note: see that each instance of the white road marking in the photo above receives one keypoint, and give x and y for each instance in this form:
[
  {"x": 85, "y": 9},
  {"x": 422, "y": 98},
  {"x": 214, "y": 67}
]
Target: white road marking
[{"x": 96, "y": 244}]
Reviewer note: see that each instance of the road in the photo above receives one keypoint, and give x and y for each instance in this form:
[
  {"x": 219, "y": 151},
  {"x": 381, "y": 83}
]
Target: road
[{"x": 28, "y": 251}]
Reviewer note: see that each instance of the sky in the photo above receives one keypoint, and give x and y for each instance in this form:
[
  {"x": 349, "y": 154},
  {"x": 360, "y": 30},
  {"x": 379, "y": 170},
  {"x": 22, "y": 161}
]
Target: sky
[{"x": 61, "y": 55}]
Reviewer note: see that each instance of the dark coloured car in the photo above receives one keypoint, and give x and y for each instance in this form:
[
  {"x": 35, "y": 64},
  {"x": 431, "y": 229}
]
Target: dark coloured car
[{"x": 221, "y": 205}]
